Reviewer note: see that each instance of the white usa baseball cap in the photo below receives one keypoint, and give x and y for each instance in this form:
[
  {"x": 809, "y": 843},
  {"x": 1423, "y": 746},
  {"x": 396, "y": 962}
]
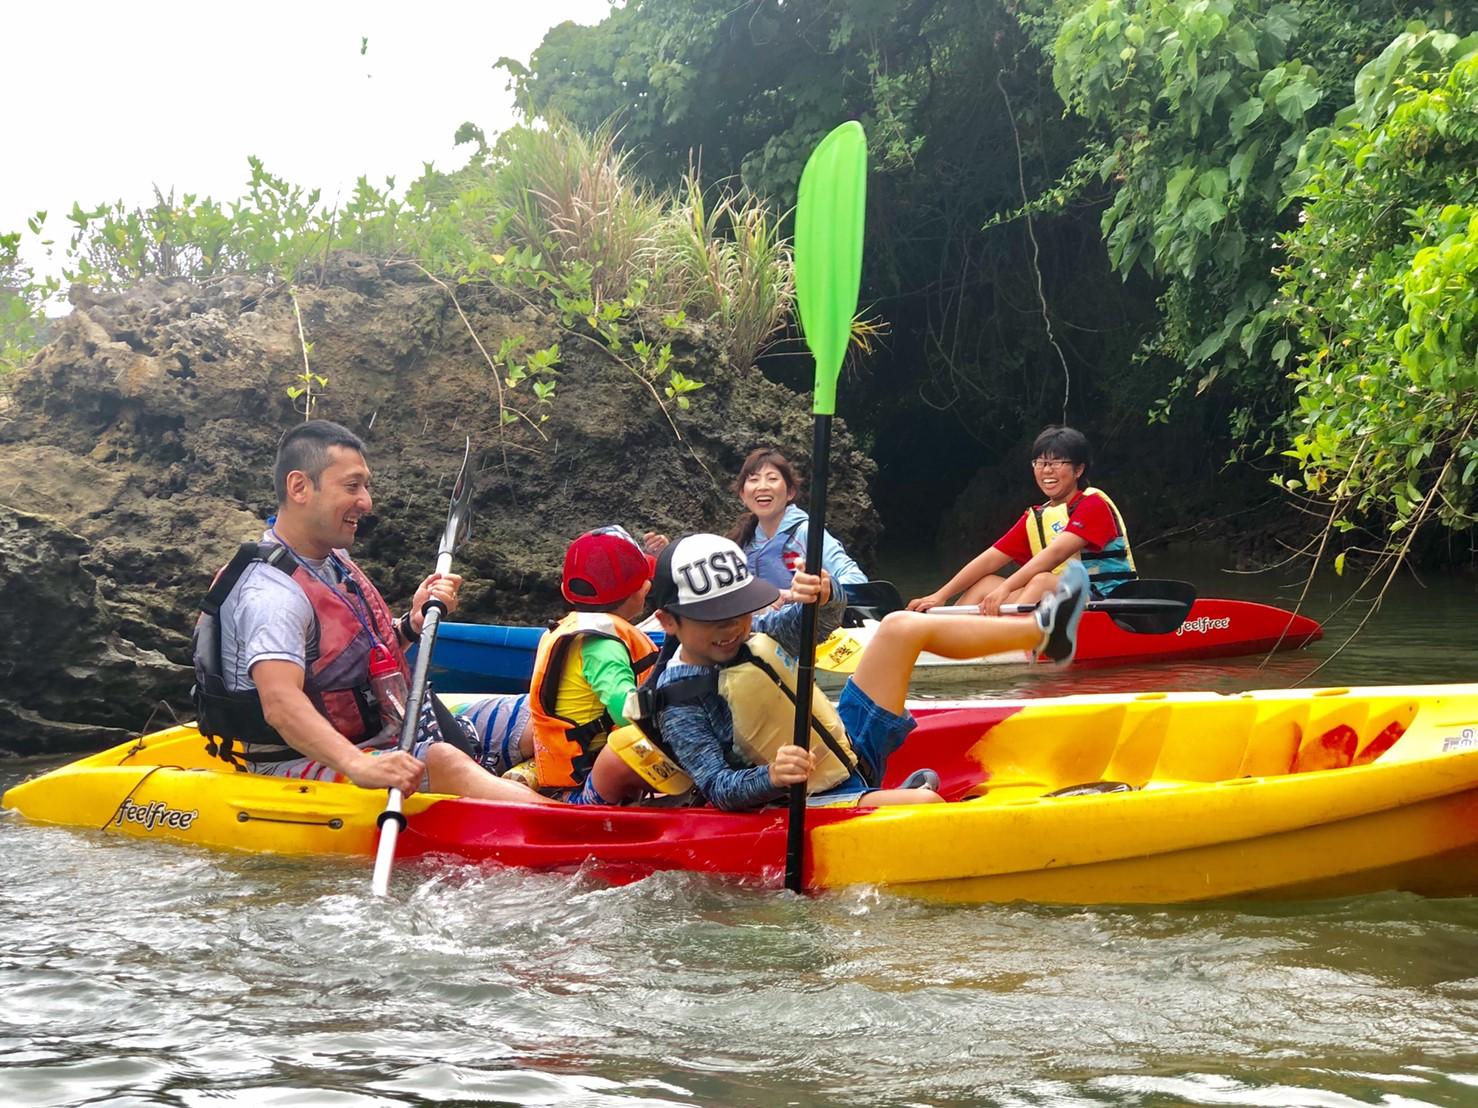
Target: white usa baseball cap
[{"x": 707, "y": 577}]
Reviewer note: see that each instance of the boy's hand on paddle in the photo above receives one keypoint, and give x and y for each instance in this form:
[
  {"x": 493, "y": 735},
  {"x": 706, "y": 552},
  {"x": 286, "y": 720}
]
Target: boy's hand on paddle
[
  {"x": 652, "y": 543},
  {"x": 791, "y": 766},
  {"x": 393, "y": 770},
  {"x": 808, "y": 588},
  {"x": 445, "y": 587},
  {"x": 990, "y": 603},
  {"x": 924, "y": 603}
]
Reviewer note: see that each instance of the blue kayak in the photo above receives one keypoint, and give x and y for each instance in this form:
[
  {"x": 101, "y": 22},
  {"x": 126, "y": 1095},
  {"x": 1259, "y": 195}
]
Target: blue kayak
[{"x": 484, "y": 657}]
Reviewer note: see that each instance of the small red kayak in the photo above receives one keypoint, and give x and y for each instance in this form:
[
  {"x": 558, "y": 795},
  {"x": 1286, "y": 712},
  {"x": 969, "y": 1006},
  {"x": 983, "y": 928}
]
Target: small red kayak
[{"x": 1211, "y": 628}]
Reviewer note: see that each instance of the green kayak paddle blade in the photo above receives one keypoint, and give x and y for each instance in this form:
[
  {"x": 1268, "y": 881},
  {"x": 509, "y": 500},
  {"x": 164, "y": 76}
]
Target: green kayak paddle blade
[{"x": 829, "y": 215}]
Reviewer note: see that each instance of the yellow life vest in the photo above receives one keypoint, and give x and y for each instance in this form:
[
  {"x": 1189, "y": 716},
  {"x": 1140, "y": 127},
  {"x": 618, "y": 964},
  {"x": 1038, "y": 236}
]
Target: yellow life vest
[
  {"x": 760, "y": 690},
  {"x": 1107, "y": 567},
  {"x": 758, "y": 687}
]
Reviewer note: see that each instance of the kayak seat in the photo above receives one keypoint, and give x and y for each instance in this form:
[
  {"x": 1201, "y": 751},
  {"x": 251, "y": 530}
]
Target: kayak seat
[
  {"x": 1092, "y": 788},
  {"x": 1332, "y": 749}
]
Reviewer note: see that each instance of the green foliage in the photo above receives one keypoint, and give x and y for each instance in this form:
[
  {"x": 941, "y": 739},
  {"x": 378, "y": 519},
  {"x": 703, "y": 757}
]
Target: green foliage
[
  {"x": 537, "y": 370},
  {"x": 1204, "y": 108},
  {"x": 1380, "y": 291},
  {"x": 1208, "y": 109},
  {"x": 547, "y": 212},
  {"x": 725, "y": 262},
  {"x": 946, "y": 90},
  {"x": 571, "y": 195},
  {"x": 272, "y": 231},
  {"x": 678, "y": 386},
  {"x": 23, "y": 298}
]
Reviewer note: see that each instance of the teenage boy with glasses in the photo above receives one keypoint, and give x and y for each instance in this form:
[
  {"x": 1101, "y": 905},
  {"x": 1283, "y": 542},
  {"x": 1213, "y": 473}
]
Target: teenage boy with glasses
[{"x": 1075, "y": 522}]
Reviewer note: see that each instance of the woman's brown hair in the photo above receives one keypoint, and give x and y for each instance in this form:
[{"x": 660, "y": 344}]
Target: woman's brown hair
[{"x": 743, "y": 530}]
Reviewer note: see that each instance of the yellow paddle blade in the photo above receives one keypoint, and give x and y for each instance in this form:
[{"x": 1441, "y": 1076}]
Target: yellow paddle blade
[{"x": 840, "y": 653}]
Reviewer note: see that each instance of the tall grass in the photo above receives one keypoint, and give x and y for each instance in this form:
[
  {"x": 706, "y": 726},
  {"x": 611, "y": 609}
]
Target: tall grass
[
  {"x": 727, "y": 263},
  {"x": 571, "y": 194},
  {"x": 546, "y": 203}
]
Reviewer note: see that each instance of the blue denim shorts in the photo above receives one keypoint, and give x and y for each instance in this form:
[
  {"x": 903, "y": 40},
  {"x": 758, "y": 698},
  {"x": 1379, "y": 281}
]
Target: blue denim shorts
[{"x": 875, "y": 733}]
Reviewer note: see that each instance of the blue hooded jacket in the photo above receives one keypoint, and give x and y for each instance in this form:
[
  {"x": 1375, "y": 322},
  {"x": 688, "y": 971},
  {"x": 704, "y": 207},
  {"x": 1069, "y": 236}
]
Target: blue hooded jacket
[{"x": 774, "y": 557}]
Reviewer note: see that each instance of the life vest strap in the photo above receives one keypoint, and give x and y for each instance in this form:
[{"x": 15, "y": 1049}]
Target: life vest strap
[{"x": 821, "y": 732}]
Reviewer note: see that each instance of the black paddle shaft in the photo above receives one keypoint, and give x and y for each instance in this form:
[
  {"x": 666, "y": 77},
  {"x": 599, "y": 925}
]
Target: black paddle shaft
[{"x": 805, "y": 678}]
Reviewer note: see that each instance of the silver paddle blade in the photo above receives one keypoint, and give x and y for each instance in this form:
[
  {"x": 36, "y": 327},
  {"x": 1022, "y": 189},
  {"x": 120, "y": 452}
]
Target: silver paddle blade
[{"x": 459, "y": 515}]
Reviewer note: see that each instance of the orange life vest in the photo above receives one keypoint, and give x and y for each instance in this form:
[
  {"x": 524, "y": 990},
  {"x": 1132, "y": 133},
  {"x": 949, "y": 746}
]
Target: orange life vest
[{"x": 565, "y": 748}]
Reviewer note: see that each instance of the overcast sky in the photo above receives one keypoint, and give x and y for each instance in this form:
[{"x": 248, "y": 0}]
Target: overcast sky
[{"x": 105, "y": 100}]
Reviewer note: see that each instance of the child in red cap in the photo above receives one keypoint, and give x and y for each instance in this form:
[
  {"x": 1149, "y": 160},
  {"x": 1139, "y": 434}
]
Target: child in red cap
[{"x": 586, "y": 666}]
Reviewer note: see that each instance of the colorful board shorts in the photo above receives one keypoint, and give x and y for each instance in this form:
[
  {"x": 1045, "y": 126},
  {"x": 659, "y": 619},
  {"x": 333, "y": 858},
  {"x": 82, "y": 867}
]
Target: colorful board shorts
[
  {"x": 386, "y": 742},
  {"x": 496, "y": 724}
]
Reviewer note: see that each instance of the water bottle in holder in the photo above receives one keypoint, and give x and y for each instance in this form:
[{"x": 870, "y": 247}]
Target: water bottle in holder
[{"x": 387, "y": 682}]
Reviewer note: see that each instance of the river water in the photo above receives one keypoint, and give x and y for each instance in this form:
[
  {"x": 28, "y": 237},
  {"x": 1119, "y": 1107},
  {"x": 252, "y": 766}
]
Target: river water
[{"x": 138, "y": 974}]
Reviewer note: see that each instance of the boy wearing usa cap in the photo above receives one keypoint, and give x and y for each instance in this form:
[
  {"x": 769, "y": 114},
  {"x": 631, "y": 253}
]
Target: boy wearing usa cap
[{"x": 722, "y": 713}]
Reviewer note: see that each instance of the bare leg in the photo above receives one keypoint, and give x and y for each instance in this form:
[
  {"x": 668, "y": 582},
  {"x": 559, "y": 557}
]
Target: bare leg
[
  {"x": 453, "y": 772},
  {"x": 1043, "y": 584},
  {"x": 981, "y": 589},
  {"x": 887, "y": 663},
  {"x": 616, "y": 782},
  {"x": 883, "y": 797}
]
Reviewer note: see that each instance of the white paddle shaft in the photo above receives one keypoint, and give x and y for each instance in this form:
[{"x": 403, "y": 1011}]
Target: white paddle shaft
[{"x": 974, "y": 609}]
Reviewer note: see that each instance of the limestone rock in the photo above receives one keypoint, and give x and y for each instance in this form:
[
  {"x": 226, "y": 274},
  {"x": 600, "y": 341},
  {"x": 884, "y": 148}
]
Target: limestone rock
[{"x": 136, "y": 453}]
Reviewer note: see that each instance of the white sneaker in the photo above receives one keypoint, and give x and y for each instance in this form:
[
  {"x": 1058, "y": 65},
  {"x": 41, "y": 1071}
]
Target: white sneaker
[{"x": 1058, "y": 615}]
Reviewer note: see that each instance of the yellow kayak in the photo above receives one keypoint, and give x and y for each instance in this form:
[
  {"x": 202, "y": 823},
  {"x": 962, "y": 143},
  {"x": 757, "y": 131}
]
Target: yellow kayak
[{"x": 1149, "y": 797}]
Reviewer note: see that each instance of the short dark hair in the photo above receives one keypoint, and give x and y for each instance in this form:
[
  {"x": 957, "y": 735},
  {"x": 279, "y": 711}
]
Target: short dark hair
[
  {"x": 306, "y": 448},
  {"x": 1063, "y": 442}
]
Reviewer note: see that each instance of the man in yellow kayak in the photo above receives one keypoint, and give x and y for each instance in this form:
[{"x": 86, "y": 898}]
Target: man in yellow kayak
[
  {"x": 1076, "y": 523},
  {"x": 300, "y": 666}
]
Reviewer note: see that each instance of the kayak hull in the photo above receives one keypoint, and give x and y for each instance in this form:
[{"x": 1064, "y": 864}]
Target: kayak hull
[
  {"x": 1278, "y": 794},
  {"x": 1214, "y": 628}
]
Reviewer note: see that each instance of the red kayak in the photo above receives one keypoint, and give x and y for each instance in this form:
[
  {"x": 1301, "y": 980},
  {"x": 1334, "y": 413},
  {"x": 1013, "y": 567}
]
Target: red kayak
[{"x": 1211, "y": 628}]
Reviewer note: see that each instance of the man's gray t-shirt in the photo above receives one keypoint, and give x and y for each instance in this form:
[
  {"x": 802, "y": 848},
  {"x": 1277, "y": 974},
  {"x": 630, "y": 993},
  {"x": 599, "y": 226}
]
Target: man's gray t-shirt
[{"x": 266, "y": 617}]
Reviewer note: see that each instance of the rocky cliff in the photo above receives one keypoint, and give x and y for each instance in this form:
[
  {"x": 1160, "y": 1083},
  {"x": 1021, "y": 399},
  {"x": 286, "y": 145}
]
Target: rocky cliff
[{"x": 136, "y": 450}]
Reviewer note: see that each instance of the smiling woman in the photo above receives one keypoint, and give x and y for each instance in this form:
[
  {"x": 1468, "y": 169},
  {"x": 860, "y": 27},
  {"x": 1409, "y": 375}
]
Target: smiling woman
[{"x": 772, "y": 530}]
